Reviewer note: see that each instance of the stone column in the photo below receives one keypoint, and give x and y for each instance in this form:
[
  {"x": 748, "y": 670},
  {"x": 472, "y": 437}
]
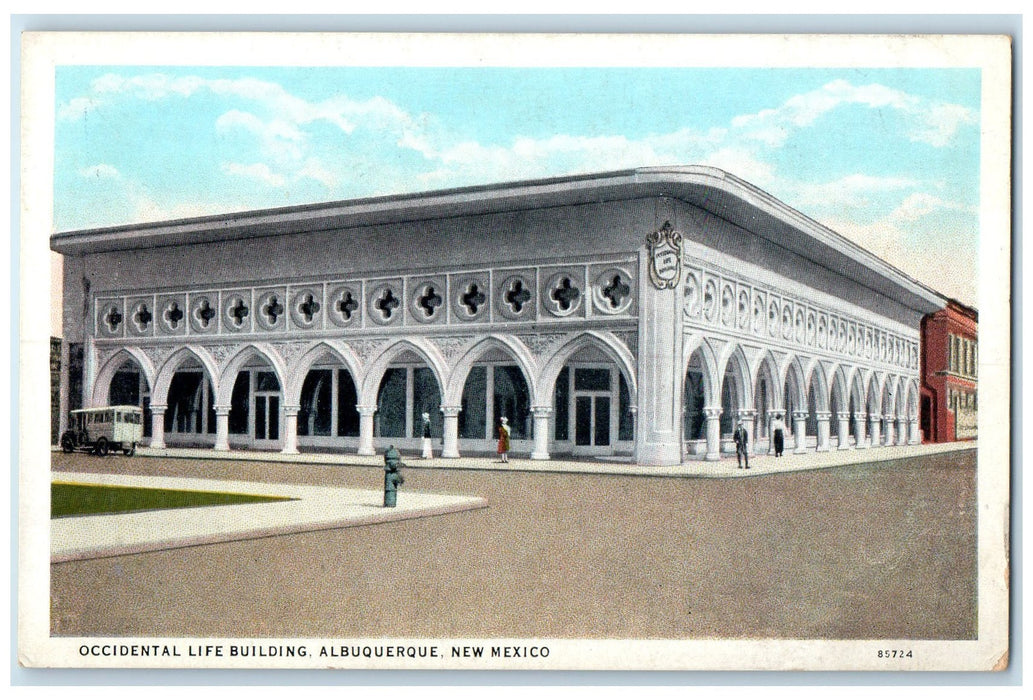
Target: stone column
[
  {"x": 875, "y": 423},
  {"x": 541, "y": 431},
  {"x": 888, "y": 430},
  {"x": 859, "y": 422},
  {"x": 843, "y": 430},
  {"x": 916, "y": 435},
  {"x": 222, "y": 428},
  {"x": 713, "y": 428},
  {"x": 901, "y": 430},
  {"x": 366, "y": 414},
  {"x": 158, "y": 426},
  {"x": 660, "y": 372},
  {"x": 800, "y": 431},
  {"x": 450, "y": 432},
  {"x": 824, "y": 430},
  {"x": 290, "y": 430},
  {"x": 746, "y": 417}
]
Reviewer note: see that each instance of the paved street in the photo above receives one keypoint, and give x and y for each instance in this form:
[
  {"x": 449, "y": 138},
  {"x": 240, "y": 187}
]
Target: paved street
[{"x": 884, "y": 550}]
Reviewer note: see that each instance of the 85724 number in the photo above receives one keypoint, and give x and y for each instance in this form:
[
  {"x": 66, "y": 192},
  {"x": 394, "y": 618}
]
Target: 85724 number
[{"x": 895, "y": 654}]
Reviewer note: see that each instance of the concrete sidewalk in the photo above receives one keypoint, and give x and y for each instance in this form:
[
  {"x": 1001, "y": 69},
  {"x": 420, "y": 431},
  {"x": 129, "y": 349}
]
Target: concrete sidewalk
[
  {"x": 315, "y": 508},
  {"x": 725, "y": 468}
]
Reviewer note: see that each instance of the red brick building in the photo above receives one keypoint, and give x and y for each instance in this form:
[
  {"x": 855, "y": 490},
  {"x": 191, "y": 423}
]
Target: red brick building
[{"x": 950, "y": 358}]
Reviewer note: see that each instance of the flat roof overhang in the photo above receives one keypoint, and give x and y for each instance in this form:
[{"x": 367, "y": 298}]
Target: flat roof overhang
[{"x": 710, "y": 189}]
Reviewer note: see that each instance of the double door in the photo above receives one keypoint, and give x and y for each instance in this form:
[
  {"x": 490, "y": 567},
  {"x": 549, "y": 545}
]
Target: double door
[{"x": 594, "y": 407}]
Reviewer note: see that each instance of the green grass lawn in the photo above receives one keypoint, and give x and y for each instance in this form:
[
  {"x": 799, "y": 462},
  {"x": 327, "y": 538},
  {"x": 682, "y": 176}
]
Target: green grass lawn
[{"x": 89, "y": 499}]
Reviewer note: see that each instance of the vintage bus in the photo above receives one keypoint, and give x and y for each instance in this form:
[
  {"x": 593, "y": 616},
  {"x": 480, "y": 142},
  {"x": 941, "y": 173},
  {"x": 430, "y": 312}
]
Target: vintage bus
[{"x": 99, "y": 430}]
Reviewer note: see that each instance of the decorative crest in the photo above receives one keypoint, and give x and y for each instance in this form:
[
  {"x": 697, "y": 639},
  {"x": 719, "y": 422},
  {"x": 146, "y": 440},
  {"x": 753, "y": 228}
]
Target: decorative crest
[{"x": 665, "y": 257}]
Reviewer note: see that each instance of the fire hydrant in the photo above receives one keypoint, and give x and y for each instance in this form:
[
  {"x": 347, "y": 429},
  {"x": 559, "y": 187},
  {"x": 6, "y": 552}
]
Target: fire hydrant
[{"x": 392, "y": 477}]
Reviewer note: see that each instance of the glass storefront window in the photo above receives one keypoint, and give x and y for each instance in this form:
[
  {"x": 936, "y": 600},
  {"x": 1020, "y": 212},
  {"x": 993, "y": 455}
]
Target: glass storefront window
[
  {"x": 426, "y": 398},
  {"x": 316, "y": 412},
  {"x": 473, "y": 416},
  {"x": 561, "y": 405},
  {"x": 390, "y": 418},
  {"x": 347, "y": 399},
  {"x": 512, "y": 400},
  {"x": 239, "y": 404},
  {"x": 591, "y": 379}
]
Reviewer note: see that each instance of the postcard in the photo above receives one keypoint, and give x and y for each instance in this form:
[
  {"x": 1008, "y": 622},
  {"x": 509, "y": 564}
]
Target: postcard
[{"x": 459, "y": 351}]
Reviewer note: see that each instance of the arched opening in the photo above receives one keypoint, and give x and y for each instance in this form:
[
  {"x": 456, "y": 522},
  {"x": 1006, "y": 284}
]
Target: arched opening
[
  {"x": 694, "y": 400},
  {"x": 129, "y": 387},
  {"x": 592, "y": 406},
  {"x": 730, "y": 393},
  {"x": 763, "y": 404},
  {"x": 256, "y": 406},
  {"x": 495, "y": 388},
  {"x": 327, "y": 412},
  {"x": 190, "y": 411},
  {"x": 812, "y": 410},
  {"x": 794, "y": 403},
  {"x": 408, "y": 389}
]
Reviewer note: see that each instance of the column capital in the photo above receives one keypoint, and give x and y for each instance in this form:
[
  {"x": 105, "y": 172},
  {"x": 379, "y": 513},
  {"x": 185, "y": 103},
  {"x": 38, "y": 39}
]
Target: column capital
[
  {"x": 747, "y": 414},
  {"x": 843, "y": 415},
  {"x": 222, "y": 410},
  {"x": 775, "y": 412},
  {"x": 291, "y": 410},
  {"x": 712, "y": 412},
  {"x": 155, "y": 407},
  {"x": 823, "y": 415},
  {"x": 860, "y": 415},
  {"x": 800, "y": 415},
  {"x": 365, "y": 410},
  {"x": 541, "y": 411},
  {"x": 451, "y": 411}
]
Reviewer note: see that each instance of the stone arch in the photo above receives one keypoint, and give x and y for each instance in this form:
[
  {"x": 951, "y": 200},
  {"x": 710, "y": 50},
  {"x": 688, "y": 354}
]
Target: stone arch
[
  {"x": 735, "y": 361},
  {"x": 453, "y": 391},
  {"x": 902, "y": 397},
  {"x": 369, "y": 385},
  {"x": 736, "y": 388},
  {"x": 296, "y": 374},
  {"x": 160, "y": 389},
  {"x": 707, "y": 363},
  {"x": 102, "y": 384},
  {"x": 856, "y": 383},
  {"x": 816, "y": 378},
  {"x": 608, "y": 343},
  {"x": 792, "y": 375},
  {"x": 889, "y": 396},
  {"x": 839, "y": 392},
  {"x": 912, "y": 400},
  {"x": 767, "y": 393},
  {"x": 262, "y": 351}
]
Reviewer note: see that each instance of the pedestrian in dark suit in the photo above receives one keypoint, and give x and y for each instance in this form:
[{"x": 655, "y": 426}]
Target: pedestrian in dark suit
[
  {"x": 742, "y": 445},
  {"x": 778, "y": 431}
]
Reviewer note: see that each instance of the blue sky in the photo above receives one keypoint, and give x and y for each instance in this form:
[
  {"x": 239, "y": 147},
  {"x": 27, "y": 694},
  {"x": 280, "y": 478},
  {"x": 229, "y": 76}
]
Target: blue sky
[{"x": 887, "y": 157}]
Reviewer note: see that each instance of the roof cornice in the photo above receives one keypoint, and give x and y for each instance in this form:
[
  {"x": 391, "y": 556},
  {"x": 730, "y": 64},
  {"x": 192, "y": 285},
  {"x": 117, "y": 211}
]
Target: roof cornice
[{"x": 710, "y": 189}]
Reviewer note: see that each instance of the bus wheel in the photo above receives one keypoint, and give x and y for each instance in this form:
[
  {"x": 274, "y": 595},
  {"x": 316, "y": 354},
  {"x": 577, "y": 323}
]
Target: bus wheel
[
  {"x": 102, "y": 447},
  {"x": 129, "y": 451},
  {"x": 67, "y": 443}
]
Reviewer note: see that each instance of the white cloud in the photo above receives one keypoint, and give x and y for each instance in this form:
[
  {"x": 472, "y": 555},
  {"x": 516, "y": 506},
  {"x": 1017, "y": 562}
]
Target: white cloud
[
  {"x": 100, "y": 171},
  {"x": 921, "y": 204},
  {"x": 76, "y": 108},
  {"x": 931, "y": 122},
  {"x": 855, "y": 191},
  {"x": 255, "y": 171},
  {"x": 315, "y": 170}
]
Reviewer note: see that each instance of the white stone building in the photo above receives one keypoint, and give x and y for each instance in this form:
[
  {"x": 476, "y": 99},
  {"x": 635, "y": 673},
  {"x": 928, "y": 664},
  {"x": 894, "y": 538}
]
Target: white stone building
[{"x": 637, "y": 313}]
